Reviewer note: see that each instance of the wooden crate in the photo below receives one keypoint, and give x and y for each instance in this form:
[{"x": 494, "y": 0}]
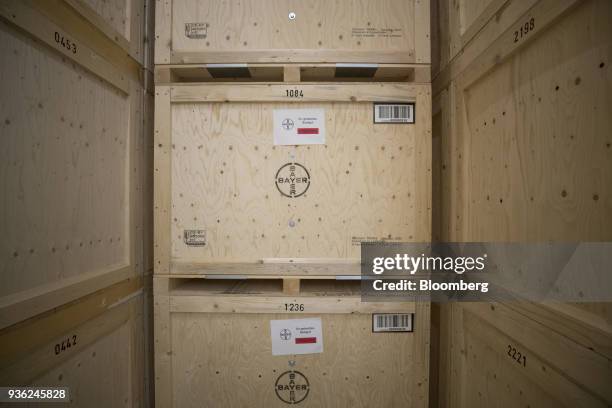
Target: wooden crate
[
  {"x": 215, "y": 171},
  {"x": 93, "y": 346},
  {"x": 72, "y": 178},
  {"x": 522, "y": 131},
  {"x": 213, "y": 346},
  {"x": 216, "y": 166},
  {"x": 389, "y": 31}
]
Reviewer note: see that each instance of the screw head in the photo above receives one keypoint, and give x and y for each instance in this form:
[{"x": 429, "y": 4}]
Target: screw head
[{"x": 292, "y": 16}]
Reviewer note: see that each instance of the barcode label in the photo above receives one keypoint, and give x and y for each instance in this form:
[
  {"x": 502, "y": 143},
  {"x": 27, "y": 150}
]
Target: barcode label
[
  {"x": 392, "y": 322},
  {"x": 394, "y": 113}
]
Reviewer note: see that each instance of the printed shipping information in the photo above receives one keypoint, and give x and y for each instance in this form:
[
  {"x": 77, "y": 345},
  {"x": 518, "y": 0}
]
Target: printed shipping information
[
  {"x": 296, "y": 336},
  {"x": 299, "y": 126}
]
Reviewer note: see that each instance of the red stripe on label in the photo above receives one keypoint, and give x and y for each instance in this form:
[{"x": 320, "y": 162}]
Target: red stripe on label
[
  {"x": 308, "y": 131},
  {"x": 305, "y": 340}
]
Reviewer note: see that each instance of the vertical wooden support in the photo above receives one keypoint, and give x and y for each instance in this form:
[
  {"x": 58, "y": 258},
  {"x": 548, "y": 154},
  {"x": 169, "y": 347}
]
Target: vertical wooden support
[
  {"x": 162, "y": 181},
  {"x": 291, "y": 73},
  {"x": 163, "y": 343},
  {"x": 291, "y": 286}
]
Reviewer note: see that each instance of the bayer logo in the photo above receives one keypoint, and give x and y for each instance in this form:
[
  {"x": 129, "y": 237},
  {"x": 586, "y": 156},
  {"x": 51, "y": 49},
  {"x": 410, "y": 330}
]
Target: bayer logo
[
  {"x": 287, "y": 124},
  {"x": 285, "y": 334}
]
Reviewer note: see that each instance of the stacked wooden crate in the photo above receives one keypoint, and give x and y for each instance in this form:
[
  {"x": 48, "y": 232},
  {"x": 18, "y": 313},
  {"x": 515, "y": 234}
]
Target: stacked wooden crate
[
  {"x": 73, "y": 187},
  {"x": 236, "y": 248},
  {"x": 522, "y": 151}
]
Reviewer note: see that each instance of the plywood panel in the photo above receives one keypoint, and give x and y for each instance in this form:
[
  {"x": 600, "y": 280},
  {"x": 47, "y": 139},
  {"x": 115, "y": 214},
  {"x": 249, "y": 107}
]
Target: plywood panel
[
  {"x": 367, "y": 182},
  {"x": 320, "y": 31},
  {"x": 357, "y": 368},
  {"x": 114, "y": 12},
  {"x": 529, "y": 158},
  {"x": 539, "y": 132},
  {"x": 122, "y": 21},
  {"x": 505, "y": 359},
  {"x": 99, "y": 376},
  {"x": 102, "y": 366},
  {"x": 470, "y": 10},
  {"x": 64, "y": 168}
]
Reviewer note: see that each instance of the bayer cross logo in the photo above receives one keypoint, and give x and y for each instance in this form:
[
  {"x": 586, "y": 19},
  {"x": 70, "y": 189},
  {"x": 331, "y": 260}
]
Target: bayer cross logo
[
  {"x": 292, "y": 180},
  {"x": 292, "y": 387},
  {"x": 287, "y": 124},
  {"x": 285, "y": 334}
]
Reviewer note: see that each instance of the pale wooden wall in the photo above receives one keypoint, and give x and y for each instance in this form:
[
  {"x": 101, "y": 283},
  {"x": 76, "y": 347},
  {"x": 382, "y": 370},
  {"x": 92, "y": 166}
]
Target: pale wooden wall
[
  {"x": 75, "y": 197},
  {"x": 525, "y": 156}
]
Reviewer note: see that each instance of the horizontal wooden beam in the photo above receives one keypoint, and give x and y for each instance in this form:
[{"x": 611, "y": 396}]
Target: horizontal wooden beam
[
  {"x": 274, "y": 269},
  {"x": 365, "y": 92},
  {"x": 276, "y": 304},
  {"x": 23, "y": 305},
  {"x": 545, "y": 14},
  {"x": 74, "y": 42},
  {"x": 297, "y": 55},
  {"x": 495, "y": 40},
  {"x": 20, "y": 340}
]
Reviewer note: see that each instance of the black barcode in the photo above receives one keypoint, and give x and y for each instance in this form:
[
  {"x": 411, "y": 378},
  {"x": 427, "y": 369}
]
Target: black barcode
[
  {"x": 392, "y": 322},
  {"x": 393, "y": 113}
]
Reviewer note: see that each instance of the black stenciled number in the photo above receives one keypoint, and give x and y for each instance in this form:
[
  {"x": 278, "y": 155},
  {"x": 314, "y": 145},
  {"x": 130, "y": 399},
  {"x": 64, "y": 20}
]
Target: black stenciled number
[
  {"x": 517, "y": 356},
  {"x": 524, "y": 30},
  {"x": 294, "y": 307},
  {"x": 294, "y": 93},
  {"x": 65, "y": 344},
  {"x": 64, "y": 42}
]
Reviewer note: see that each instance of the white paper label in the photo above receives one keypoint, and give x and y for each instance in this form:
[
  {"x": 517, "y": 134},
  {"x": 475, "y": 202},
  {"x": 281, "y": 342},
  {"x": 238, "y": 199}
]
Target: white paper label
[
  {"x": 299, "y": 126},
  {"x": 296, "y": 336}
]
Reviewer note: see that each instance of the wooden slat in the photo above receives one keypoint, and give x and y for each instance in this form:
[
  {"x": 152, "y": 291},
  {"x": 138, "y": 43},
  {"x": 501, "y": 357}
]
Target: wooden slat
[
  {"x": 44, "y": 30},
  {"x": 321, "y": 269},
  {"x": 163, "y": 343},
  {"x": 23, "y": 305},
  {"x": 18, "y": 340},
  {"x": 162, "y": 179},
  {"x": 496, "y": 38},
  {"x": 276, "y": 304},
  {"x": 312, "y": 92},
  {"x": 293, "y": 56},
  {"x": 163, "y": 31},
  {"x": 95, "y": 19}
]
